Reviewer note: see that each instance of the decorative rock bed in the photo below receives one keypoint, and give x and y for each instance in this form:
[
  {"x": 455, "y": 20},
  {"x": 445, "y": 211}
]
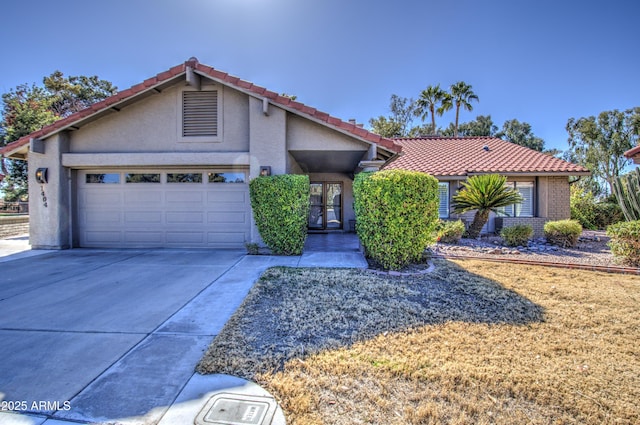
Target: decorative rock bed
[{"x": 591, "y": 251}]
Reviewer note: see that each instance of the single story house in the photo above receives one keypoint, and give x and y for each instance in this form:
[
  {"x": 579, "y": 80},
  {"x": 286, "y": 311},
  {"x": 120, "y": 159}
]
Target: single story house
[
  {"x": 634, "y": 154},
  {"x": 542, "y": 180},
  {"x": 166, "y": 163}
]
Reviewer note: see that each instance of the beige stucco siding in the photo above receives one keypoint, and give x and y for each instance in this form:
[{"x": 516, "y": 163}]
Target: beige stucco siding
[
  {"x": 152, "y": 124},
  {"x": 50, "y": 206},
  {"x": 303, "y": 135}
]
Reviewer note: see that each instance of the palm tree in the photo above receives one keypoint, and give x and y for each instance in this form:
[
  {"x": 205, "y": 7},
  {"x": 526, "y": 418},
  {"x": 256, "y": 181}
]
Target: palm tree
[
  {"x": 462, "y": 95},
  {"x": 484, "y": 193},
  {"x": 427, "y": 103}
]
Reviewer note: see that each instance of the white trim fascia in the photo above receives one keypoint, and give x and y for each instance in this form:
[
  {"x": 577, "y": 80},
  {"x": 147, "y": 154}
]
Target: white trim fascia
[{"x": 155, "y": 159}]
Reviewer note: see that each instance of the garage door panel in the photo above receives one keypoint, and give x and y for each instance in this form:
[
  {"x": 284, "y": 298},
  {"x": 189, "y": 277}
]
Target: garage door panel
[
  {"x": 137, "y": 217},
  {"x": 142, "y": 197},
  {"x": 237, "y": 217},
  {"x": 180, "y": 238},
  {"x": 142, "y": 237},
  {"x": 189, "y": 197},
  {"x": 102, "y": 217},
  {"x": 227, "y": 196},
  {"x": 103, "y": 237},
  {"x": 185, "y": 217},
  {"x": 162, "y": 214},
  {"x": 102, "y": 198},
  {"x": 225, "y": 238}
]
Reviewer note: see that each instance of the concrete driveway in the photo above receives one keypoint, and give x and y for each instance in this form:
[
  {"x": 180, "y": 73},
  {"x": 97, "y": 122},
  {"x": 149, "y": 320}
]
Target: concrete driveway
[{"x": 112, "y": 335}]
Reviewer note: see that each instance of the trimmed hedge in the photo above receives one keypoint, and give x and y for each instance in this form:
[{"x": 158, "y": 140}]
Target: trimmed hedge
[
  {"x": 281, "y": 209},
  {"x": 449, "y": 231},
  {"x": 563, "y": 233},
  {"x": 625, "y": 242},
  {"x": 517, "y": 235},
  {"x": 396, "y": 215}
]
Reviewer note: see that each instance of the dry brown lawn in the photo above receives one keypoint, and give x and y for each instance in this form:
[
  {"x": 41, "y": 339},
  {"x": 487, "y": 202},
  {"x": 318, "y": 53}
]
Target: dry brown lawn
[{"x": 472, "y": 343}]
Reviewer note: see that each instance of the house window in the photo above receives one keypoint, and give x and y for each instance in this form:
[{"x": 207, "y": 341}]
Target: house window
[
  {"x": 184, "y": 178},
  {"x": 106, "y": 178},
  {"x": 443, "y": 191},
  {"x": 143, "y": 178},
  {"x": 231, "y": 177},
  {"x": 525, "y": 209},
  {"x": 200, "y": 116}
]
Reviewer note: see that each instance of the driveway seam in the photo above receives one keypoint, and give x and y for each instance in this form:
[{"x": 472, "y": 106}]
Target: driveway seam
[{"x": 147, "y": 336}]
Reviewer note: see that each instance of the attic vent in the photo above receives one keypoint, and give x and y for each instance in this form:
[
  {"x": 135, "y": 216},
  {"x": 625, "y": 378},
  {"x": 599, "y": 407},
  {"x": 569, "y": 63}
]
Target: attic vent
[{"x": 199, "y": 113}]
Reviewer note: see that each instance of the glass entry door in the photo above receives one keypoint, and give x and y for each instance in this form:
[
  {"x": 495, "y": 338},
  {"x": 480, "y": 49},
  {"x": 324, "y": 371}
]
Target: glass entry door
[{"x": 325, "y": 201}]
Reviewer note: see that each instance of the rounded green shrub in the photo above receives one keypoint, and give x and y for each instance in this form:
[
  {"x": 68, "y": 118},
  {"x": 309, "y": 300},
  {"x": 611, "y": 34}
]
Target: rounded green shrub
[
  {"x": 517, "y": 235},
  {"x": 281, "y": 208},
  {"x": 564, "y": 233},
  {"x": 449, "y": 231},
  {"x": 625, "y": 242},
  {"x": 593, "y": 213},
  {"x": 396, "y": 215}
]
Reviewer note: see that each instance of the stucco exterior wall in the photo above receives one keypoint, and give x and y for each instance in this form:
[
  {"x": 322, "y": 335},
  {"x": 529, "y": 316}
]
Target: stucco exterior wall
[
  {"x": 152, "y": 125},
  {"x": 303, "y": 134},
  {"x": 50, "y": 219}
]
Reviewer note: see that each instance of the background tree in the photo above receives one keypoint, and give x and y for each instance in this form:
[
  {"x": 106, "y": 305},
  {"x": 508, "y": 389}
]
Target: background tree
[
  {"x": 461, "y": 95},
  {"x": 482, "y": 126},
  {"x": 26, "y": 109},
  {"x": 520, "y": 133},
  {"x": 73, "y": 94},
  {"x": 430, "y": 103},
  {"x": 599, "y": 143},
  {"x": 386, "y": 127},
  {"x": 399, "y": 123}
]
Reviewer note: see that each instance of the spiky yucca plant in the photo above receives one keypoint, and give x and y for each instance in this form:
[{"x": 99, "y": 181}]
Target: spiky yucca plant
[
  {"x": 627, "y": 191},
  {"x": 484, "y": 193}
]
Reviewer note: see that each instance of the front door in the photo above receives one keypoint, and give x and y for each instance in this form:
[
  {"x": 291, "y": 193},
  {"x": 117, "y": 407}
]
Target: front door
[{"x": 326, "y": 206}]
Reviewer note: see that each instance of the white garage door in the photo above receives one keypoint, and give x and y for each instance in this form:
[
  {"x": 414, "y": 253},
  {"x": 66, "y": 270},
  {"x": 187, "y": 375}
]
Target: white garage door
[{"x": 161, "y": 208}]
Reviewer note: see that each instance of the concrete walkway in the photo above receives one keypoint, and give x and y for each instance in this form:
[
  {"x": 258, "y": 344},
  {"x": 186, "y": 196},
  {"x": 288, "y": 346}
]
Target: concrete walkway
[{"x": 113, "y": 336}]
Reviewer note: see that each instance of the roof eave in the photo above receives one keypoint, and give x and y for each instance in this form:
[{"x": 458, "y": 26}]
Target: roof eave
[
  {"x": 532, "y": 173},
  {"x": 634, "y": 154}
]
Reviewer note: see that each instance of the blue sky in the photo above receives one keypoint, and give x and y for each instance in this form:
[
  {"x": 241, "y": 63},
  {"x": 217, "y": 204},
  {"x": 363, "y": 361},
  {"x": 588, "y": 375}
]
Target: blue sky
[{"x": 538, "y": 61}]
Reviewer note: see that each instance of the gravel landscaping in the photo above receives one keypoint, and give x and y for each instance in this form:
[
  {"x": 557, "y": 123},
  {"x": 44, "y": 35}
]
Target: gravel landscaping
[{"x": 591, "y": 250}]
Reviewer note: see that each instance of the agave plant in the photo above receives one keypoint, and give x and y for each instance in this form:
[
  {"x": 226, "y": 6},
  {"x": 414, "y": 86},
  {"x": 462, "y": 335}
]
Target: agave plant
[
  {"x": 484, "y": 193},
  {"x": 627, "y": 191}
]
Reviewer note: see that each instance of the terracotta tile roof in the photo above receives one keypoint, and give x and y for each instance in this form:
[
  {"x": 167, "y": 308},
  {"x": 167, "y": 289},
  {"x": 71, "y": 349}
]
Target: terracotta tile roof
[
  {"x": 223, "y": 78},
  {"x": 468, "y": 155},
  {"x": 633, "y": 152}
]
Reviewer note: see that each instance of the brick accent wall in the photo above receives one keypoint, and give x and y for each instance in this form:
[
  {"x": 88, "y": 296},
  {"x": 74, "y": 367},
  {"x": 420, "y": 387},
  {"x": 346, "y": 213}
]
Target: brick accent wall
[
  {"x": 558, "y": 208},
  {"x": 536, "y": 222},
  {"x": 14, "y": 226}
]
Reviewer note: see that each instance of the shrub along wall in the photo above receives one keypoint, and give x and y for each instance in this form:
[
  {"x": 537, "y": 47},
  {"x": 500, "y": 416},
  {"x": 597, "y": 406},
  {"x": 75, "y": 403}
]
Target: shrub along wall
[
  {"x": 396, "y": 214},
  {"x": 625, "y": 242},
  {"x": 281, "y": 208}
]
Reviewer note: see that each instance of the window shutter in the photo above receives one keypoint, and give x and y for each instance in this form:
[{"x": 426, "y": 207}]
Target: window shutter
[
  {"x": 525, "y": 209},
  {"x": 199, "y": 113},
  {"x": 443, "y": 192}
]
